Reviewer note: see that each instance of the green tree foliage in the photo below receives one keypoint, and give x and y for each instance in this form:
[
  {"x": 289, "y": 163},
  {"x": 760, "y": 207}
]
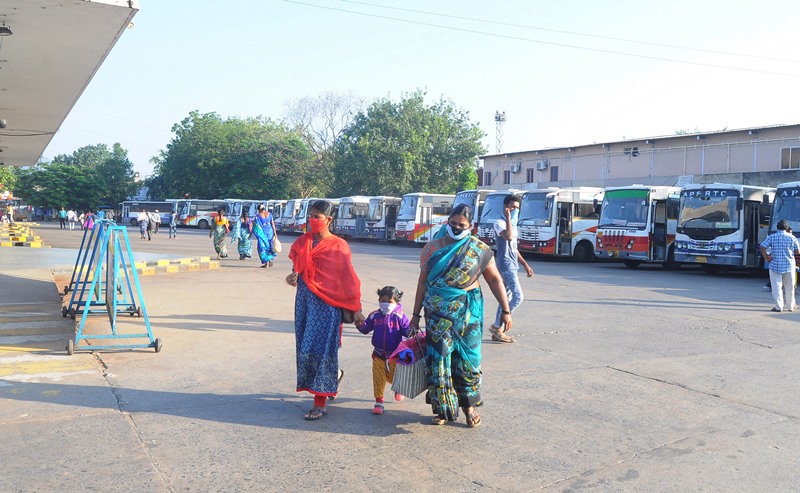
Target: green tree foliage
[
  {"x": 89, "y": 177},
  {"x": 399, "y": 147},
  {"x": 212, "y": 157},
  {"x": 8, "y": 177}
]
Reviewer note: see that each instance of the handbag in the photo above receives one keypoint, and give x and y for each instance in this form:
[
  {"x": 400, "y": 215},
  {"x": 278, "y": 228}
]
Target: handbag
[
  {"x": 411, "y": 380},
  {"x": 276, "y": 245}
]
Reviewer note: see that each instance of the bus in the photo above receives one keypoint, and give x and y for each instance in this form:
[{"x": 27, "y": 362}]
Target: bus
[
  {"x": 236, "y": 207},
  {"x": 560, "y": 222},
  {"x": 129, "y": 210},
  {"x": 637, "y": 224},
  {"x": 421, "y": 215},
  {"x": 381, "y": 220},
  {"x": 351, "y": 216},
  {"x": 199, "y": 212},
  {"x": 275, "y": 207},
  {"x": 474, "y": 199},
  {"x": 285, "y": 222},
  {"x": 786, "y": 206},
  {"x": 492, "y": 211},
  {"x": 722, "y": 225}
]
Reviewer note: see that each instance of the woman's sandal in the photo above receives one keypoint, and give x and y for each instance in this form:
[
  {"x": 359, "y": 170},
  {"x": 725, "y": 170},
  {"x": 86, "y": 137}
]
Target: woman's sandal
[
  {"x": 499, "y": 336},
  {"x": 377, "y": 409},
  {"x": 473, "y": 419},
  {"x": 316, "y": 413},
  {"x": 439, "y": 420},
  {"x": 338, "y": 382}
]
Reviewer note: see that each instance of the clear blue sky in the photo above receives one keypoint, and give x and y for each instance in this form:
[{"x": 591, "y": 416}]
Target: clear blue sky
[{"x": 249, "y": 57}]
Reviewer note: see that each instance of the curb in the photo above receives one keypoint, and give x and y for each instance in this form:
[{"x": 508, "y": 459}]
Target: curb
[{"x": 19, "y": 235}]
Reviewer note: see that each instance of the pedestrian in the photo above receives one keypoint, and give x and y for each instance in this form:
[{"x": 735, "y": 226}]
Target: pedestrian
[
  {"x": 389, "y": 325},
  {"x": 326, "y": 285},
  {"x": 508, "y": 260},
  {"x": 72, "y": 217},
  {"x": 219, "y": 229},
  {"x": 265, "y": 233},
  {"x": 62, "y": 219},
  {"x": 82, "y": 219},
  {"x": 143, "y": 218},
  {"x": 9, "y": 213},
  {"x": 155, "y": 220},
  {"x": 173, "y": 225},
  {"x": 110, "y": 214},
  {"x": 449, "y": 289},
  {"x": 242, "y": 232},
  {"x": 89, "y": 220},
  {"x": 782, "y": 247}
]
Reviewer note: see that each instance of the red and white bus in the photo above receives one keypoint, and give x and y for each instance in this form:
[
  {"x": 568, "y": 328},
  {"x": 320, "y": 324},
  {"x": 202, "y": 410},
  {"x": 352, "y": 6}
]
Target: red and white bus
[
  {"x": 560, "y": 222},
  {"x": 492, "y": 210},
  {"x": 637, "y": 224},
  {"x": 198, "y": 212},
  {"x": 421, "y": 216},
  {"x": 474, "y": 199}
]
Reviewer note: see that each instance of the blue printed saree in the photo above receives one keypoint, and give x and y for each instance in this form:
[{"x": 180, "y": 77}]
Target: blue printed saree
[{"x": 265, "y": 235}]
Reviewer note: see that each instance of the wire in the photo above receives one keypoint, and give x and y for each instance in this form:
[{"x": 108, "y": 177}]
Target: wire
[
  {"x": 550, "y": 43},
  {"x": 597, "y": 36}
]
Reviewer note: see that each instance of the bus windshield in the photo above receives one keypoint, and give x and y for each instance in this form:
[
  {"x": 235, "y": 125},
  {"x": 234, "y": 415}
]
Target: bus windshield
[
  {"x": 288, "y": 211},
  {"x": 352, "y": 210},
  {"x": 709, "y": 211},
  {"x": 408, "y": 209},
  {"x": 787, "y": 207},
  {"x": 465, "y": 198},
  {"x": 375, "y": 210},
  {"x": 535, "y": 209},
  {"x": 624, "y": 208},
  {"x": 492, "y": 208}
]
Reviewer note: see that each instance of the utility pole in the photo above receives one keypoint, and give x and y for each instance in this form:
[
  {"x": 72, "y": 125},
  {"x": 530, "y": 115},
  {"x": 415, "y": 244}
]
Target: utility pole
[{"x": 499, "y": 120}]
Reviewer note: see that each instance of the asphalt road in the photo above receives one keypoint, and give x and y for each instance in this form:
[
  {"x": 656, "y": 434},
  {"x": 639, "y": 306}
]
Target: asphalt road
[{"x": 620, "y": 380}]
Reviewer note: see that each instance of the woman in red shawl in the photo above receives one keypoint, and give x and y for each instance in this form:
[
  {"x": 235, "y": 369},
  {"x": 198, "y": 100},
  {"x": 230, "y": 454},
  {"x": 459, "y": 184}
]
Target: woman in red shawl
[{"x": 326, "y": 283}]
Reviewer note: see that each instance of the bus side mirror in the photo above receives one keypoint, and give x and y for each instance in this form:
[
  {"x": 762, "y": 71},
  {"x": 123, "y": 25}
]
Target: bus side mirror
[
  {"x": 596, "y": 206},
  {"x": 765, "y": 200},
  {"x": 739, "y": 203}
]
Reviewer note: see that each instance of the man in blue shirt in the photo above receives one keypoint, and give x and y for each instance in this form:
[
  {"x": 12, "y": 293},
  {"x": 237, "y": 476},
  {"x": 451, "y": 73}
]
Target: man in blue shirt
[
  {"x": 782, "y": 246},
  {"x": 508, "y": 259}
]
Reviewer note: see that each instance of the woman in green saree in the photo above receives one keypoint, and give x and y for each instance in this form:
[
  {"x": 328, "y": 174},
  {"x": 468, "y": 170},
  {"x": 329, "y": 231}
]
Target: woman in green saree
[{"x": 448, "y": 289}]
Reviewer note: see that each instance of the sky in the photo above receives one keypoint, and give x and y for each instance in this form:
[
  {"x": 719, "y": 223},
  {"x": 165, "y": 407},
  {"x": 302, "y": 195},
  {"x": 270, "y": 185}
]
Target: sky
[{"x": 566, "y": 72}]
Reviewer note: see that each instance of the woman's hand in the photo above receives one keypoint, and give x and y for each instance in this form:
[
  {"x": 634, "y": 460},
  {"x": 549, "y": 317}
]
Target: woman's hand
[
  {"x": 291, "y": 280},
  {"x": 414, "y": 323},
  {"x": 358, "y": 319}
]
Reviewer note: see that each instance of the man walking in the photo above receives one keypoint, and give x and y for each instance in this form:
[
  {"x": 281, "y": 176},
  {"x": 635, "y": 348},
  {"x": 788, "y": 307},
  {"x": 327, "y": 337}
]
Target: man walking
[
  {"x": 508, "y": 260},
  {"x": 62, "y": 218},
  {"x": 782, "y": 247}
]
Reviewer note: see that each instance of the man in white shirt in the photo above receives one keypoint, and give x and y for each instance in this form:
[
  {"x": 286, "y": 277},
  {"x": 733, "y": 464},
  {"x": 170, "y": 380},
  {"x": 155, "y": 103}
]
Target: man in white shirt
[{"x": 144, "y": 220}]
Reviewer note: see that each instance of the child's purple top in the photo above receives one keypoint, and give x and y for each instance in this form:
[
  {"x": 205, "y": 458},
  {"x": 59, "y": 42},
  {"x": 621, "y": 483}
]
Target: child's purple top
[{"x": 387, "y": 330}]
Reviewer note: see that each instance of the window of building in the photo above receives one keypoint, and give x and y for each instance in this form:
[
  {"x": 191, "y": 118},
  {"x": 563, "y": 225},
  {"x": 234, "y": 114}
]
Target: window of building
[
  {"x": 506, "y": 177},
  {"x": 553, "y": 173},
  {"x": 790, "y": 158},
  {"x": 487, "y": 178},
  {"x": 529, "y": 175}
]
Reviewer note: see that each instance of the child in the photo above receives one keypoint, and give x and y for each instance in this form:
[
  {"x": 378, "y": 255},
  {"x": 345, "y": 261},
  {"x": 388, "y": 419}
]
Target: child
[{"x": 389, "y": 326}]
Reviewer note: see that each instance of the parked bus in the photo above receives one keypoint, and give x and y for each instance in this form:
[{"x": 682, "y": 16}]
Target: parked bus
[
  {"x": 492, "y": 211},
  {"x": 381, "y": 220},
  {"x": 560, "y": 222},
  {"x": 474, "y": 199},
  {"x": 352, "y": 213},
  {"x": 275, "y": 207},
  {"x": 301, "y": 216},
  {"x": 285, "y": 222},
  {"x": 130, "y": 209},
  {"x": 198, "y": 212},
  {"x": 637, "y": 224},
  {"x": 786, "y": 206},
  {"x": 722, "y": 225},
  {"x": 236, "y": 207},
  {"x": 421, "y": 215}
]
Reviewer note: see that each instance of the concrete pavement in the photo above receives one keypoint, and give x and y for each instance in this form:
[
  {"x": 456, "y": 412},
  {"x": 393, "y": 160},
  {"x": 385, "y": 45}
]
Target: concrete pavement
[{"x": 621, "y": 380}]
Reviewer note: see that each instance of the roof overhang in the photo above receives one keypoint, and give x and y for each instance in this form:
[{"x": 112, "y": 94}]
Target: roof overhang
[{"x": 56, "y": 48}]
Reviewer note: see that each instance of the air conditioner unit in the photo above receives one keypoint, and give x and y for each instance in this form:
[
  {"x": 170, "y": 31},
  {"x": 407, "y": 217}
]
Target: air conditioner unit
[
  {"x": 516, "y": 167},
  {"x": 542, "y": 165}
]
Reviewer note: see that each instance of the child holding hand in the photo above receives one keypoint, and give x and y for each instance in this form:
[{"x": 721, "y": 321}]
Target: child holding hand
[{"x": 389, "y": 325}]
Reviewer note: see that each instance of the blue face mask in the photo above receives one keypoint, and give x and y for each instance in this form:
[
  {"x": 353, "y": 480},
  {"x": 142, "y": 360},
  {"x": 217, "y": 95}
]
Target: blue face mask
[
  {"x": 457, "y": 233},
  {"x": 514, "y": 216}
]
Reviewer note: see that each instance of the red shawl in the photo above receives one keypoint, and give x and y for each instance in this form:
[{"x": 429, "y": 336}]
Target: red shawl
[{"x": 327, "y": 270}]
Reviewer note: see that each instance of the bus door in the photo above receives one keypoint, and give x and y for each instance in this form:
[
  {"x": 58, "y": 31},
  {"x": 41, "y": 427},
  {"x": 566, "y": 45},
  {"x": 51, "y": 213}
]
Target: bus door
[
  {"x": 390, "y": 216},
  {"x": 361, "y": 227},
  {"x": 564, "y": 229},
  {"x": 658, "y": 250},
  {"x": 750, "y": 241},
  {"x": 425, "y": 221}
]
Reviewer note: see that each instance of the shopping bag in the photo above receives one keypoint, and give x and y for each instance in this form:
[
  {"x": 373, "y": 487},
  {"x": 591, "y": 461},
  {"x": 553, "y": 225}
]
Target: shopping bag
[
  {"x": 410, "y": 374},
  {"x": 276, "y": 245}
]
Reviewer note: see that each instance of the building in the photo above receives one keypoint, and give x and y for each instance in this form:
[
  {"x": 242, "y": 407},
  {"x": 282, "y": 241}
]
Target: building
[{"x": 762, "y": 156}]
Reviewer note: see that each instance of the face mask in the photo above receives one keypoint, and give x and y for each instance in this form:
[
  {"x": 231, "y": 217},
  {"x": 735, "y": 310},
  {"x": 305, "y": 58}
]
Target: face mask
[
  {"x": 317, "y": 225},
  {"x": 457, "y": 233},
  {"x": 514, "y": 216},
  {"x": 386, "y": 307}
]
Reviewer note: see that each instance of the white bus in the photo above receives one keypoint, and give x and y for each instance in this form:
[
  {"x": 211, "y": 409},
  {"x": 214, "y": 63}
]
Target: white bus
[
  {"x": 236, "y": 207},
  {"x": 285, "y": 222},
  {"x": 637, "y": 224},
  {"x": 722, "y": 225},
  {"x": 352, "y": 214},
  {"x": 381, "y": 220},
  {"x": 492, "y": 211},
  {"x": 560, "y": 222},
  {"x": 474, "y": 199},
  {"x": 301, "y": 216},
  {"x": 130, "y": 209},
  {"x": 199, "y": 212},
  {"x": 421, "y": 216},
  {"x": 275, "y": 207}
]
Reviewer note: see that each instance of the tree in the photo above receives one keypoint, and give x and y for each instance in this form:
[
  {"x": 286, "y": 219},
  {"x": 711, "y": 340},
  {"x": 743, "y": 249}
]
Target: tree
[
  {"x": 320, "y": 121},
  {"x": 112, "y": 166},
  {"x": 213, "y": 157},
  {"x": 61, "y": 185},
  {"x": 398, "y": 147},
  {"x": 8, "y": 177}
]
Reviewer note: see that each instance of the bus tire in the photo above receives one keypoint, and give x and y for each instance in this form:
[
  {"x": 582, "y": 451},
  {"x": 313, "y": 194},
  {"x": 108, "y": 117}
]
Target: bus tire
[
  {"x": 583, "y": 252},
  {"x": 202, "y": 224},
  {"x": 632, "y": 264},
  {"x": 671, "y": 264}
]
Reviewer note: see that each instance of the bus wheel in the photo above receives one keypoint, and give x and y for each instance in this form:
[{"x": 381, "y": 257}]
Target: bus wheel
[
  {"x": 203, "y": 224},
  {"x": 583, "y": 252},
  {"x": 632, "y": 263},
  {"x": 671, "y": 264}
]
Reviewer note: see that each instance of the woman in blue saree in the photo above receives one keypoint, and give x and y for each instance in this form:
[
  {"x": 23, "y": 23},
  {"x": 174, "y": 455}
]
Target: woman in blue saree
[
  {"x": 264, "y": 231},
  {"x": 448, "y": 289},
  {"x": 242, "y": 232}
]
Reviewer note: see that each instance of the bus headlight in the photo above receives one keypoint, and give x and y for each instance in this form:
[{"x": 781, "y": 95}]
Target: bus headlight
[
  {"x": 599, "y": 243},
  {"x": 728, "y": 247},
  {"x": 630, "y": 244}
]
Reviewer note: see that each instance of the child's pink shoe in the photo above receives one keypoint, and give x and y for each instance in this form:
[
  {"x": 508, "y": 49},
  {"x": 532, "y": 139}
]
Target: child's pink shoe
[
  {"x": 378, "y": 409},
  {"x": 398, "y": 397}
]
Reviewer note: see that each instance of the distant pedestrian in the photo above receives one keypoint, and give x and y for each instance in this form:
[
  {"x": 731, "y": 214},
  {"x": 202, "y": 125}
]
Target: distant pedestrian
[
  {"x": 82, "y": 219},
  {"x": 173, "y": 225},
  {"x": 242, "y": 232},
  {"x": 89, "y": 220},
  {"x": 782, "y": 247},
  {"x": 265, "y": 232},
  {"x": 10, "y": 213},
  {"x": 219, "y": 229},
  {"x": 72, "y": 217},
  {"x": 144, "y": 220},
  {"x": 62, "y": 218},
  {"x": 110, "y": 214},
  {"x": 155, "y": 220}
]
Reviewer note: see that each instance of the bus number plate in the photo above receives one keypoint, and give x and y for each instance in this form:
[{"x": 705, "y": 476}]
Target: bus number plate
[{"x": 701, "y": 260}]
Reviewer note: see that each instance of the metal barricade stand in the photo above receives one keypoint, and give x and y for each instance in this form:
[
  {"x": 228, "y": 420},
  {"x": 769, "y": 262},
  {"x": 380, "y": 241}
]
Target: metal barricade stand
[
  {"x": 99, "y": 288},
  {"x": 80, "y": 259}
]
